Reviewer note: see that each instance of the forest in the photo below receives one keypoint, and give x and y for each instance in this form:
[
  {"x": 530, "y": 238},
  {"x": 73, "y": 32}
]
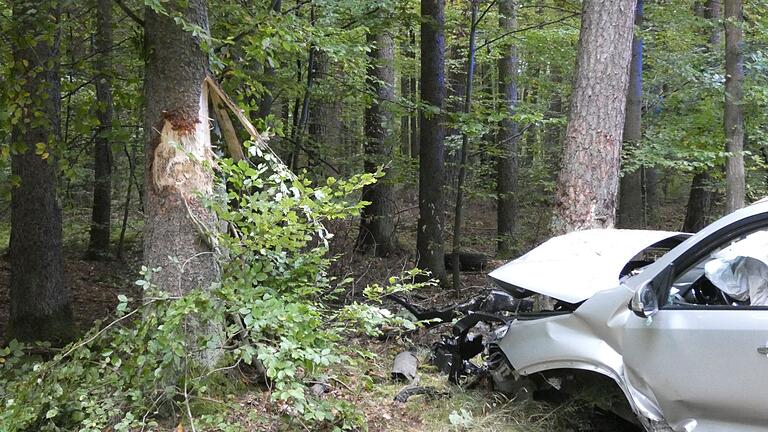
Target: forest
[{"x": 207, "y": 207}]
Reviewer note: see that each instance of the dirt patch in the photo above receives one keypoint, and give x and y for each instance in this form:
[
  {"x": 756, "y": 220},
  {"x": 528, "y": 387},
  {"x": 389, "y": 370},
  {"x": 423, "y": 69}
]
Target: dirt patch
[{"x": 94, "y": 285}]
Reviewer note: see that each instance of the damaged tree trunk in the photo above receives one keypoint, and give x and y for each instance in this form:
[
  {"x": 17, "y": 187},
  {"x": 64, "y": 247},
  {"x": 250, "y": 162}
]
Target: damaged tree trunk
[
  {"x": 589, "y": 178},
  {"x": 178, "y": 228}
]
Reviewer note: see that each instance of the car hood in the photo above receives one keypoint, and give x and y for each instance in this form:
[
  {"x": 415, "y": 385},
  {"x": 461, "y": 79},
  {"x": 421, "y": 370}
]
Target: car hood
[{"x": 575, "y": 266}]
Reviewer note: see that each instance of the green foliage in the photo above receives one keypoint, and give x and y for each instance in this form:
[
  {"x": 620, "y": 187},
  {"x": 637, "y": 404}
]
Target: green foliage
[{"x": 144, "y": 365}]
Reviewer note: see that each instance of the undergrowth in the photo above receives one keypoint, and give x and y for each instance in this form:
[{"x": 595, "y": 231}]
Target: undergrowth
[{"x": 143, "y": 370}]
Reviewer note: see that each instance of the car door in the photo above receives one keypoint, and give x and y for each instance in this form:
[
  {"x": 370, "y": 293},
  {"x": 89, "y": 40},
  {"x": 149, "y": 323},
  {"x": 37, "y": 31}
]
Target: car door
[{"x": 701, "y": 364}]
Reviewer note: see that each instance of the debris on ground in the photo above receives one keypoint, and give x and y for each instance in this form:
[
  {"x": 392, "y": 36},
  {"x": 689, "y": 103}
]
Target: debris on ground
[{"x": 405, "y": 367}]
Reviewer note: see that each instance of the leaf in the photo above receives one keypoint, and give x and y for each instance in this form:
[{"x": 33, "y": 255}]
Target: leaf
[{"x": 53, "y": 412}]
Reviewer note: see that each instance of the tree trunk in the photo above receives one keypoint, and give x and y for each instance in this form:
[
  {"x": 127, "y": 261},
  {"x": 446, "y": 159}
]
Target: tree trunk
[
  {"x": 733, "y": 118},
  {"x": 701, "y": 197},
  {"x": 98, "y": 247},
  {"x": 588, "y": 182},
  {"x": 415, "y": 134},
  {"x": 178, "y": 225},
  {"x": 40, "y": 307},
  {"x": 429, "y": 239},
  {"x": 405, "y": 119},
  {"x": 506, "y": 165},
  {"x": 324, "y": 127},
  {"x": 268, "y": 99},
  {"x": 632, "y": 204},
  {"x": 377, "y": 228},
  {"x": 699, "y": 203},
  {"x": 464, "y": 152}
]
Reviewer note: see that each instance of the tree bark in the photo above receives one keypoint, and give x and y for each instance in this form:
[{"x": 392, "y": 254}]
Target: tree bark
[
  {"x": 429, "y": 239},
  {"x": 40, "y": 307},
  {"x": 701, "y": 196},
  {"x": 699, "y": 203},
  {"x": 405, "y": 119},
  {"x": 377, "y": 227},
  {"x": 98, "y": 246},
  {"x": 733, "y": 118},
  {"x": 632, "y": 203},
  {"x": 588, "y": 182},
  {"x": 467, "y": 108},
  {"x": 178, "y": 226},
  {"x": 268, "y": 99},
  {"x": 415, "y": 134},
  {"x": 325, "y": 114},
  {"x": 506, "y": 165}
]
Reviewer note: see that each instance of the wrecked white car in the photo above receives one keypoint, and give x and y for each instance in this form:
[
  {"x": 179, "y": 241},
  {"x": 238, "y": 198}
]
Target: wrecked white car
[{"x": 678, "y": 322}]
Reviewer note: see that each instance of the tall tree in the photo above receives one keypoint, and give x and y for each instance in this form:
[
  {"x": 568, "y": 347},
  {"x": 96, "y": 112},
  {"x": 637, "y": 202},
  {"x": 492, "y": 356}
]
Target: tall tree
[
  {"x": 268, "y": 98},
  {"x": 632, "y": 202},
  {"x": 459, "y": 215},
  {"x": 176, "y": 123},
  {"x": 506, "y": 165},
  {"x": 733, "y": 118},
  {"x": 588, "y": 182},
  {"x": 98, "y": 246},
  {"x": 699, "y": 207},
  {"x": 429, "y": 239},
  {"x": 41, "y": 307},
  {"x": 377, "y": 227}
]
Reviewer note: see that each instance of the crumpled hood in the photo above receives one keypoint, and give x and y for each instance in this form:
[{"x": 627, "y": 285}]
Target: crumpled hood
[{"x": 575, "y": 266}]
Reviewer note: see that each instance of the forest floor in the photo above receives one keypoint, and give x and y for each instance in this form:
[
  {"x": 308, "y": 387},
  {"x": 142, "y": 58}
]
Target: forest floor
[{"x": 367, "y": 382}]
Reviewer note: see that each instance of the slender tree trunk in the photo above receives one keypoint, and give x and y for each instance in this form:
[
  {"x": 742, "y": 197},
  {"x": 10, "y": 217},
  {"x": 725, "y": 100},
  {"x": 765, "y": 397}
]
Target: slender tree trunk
[
  {"x": 415, "y": 134},
  {"x": 506, "y": 165},
  {"x": 553, "y": 132},
  {"x": 700, "y": 199},
  {"x": 456, "y": 80},
  {"x": 40, "y": 307},
  {"x": 98, "y": 247},
  {"x": 429, "y": 239},
  {"x": 377, "y": 227},
  {"x": 405, "y": 119},
  {"x": 268, "y": 99},
  {"x": 588, "y": 182},
  {"x": 632, "y": 205},
  {"x": 178, "y": 225},
  {"x": 459, "y": 215},
  {"x": 734, "y": 112}
]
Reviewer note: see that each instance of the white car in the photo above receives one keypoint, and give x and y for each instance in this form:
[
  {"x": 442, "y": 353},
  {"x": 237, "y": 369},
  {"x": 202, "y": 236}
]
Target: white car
[{"x": 684, "y": 335}]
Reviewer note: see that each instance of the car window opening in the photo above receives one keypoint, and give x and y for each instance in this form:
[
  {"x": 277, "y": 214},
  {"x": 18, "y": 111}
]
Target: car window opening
[{"x": 735, "y": 275}]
